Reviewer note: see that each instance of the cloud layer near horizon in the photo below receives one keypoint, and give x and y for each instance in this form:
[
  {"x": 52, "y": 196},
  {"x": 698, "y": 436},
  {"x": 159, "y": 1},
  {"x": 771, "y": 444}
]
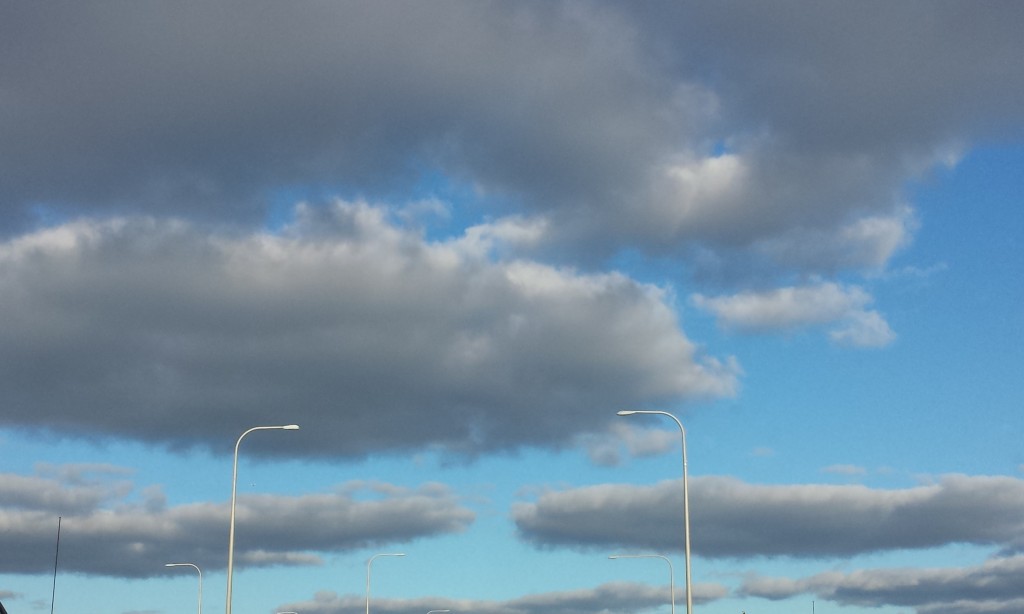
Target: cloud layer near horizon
[
  {"x": 731, "y": 518},
  {"x": 108, "y": 529}
]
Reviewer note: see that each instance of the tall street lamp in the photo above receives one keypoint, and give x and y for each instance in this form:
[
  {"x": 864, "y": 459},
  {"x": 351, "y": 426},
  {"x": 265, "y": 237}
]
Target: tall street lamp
[
  {"x": 369, "y": 563},
  {"x": 196, "y": 567},
  {"x": 686, "y": 497},
  {"x": 234, "y": 485},
  {"x": 671, "y": 573}
]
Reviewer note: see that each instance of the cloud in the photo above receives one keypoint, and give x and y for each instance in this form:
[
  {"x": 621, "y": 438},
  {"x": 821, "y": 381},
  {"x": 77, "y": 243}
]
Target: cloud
[
  {"x": 606, "y": 449},
  {"x": 343, "y": 323},
  {"x": 616, "y": 597},
  {"x": 993, "y": 586},
  {"x": 731, "y": 518},
  {"x": 663, "y": 128},
  {"x": 793, "y": 307},
  {"x": 849, "y": 470},
  {"x": 124, "y": 538}
]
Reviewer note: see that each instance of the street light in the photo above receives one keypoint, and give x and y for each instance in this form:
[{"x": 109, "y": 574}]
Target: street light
[
  {"x": 686, "y": 497},
  {"x": 671, "y": 573},
  {"x": 368, "y": 564},
  {"x": 196, "y": 567},
  {"x": 434, "y": 611},
  {"x": 287, "y": 613},
  {"x": 234, "y": 484}
]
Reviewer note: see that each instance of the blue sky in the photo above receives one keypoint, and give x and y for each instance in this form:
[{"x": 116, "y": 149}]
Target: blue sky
[{"x": 451, "y": 241}]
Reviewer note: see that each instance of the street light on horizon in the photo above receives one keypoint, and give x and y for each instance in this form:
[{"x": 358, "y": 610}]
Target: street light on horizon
[
  {"x": 196, "y": 567},
  {"x": 234, "y": 485},
  {"x": 369, "y": 562},
  {"x": 671, "y": 573},
  {"x": 686, "y": 495}
]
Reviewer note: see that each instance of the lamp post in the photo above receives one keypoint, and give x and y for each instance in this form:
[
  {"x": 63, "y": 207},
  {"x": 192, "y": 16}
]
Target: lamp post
[
  {"x": 234, "y": 485},
  {"x": 369, "y": 563},
  {"x": 196, "y": 567},
  {"x": 671, "y": 573},
  {"x": 686, "y": 497}
]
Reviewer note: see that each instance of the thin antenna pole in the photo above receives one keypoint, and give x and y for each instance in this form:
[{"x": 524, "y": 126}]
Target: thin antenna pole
[{"x": 56, "y": 554}]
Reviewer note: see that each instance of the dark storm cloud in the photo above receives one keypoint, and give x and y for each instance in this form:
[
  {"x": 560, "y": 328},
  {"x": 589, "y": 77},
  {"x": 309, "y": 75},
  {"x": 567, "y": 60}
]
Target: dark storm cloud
[
  {"x": 128, "y": 538},
  {"x": 730, "y": 518},
  {"x": 365, "y": 335}
]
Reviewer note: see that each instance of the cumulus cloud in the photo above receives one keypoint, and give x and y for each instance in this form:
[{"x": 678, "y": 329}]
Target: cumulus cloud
[
  {"x": 343, "y": 322},
  {"x": 733, "y": 518},
  {"x": 794, "y": 307},
  {"x": 121, "y": 537}
]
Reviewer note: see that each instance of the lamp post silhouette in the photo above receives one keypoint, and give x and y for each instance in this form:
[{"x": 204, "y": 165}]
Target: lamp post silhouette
[
  {"x": 196, "y": 567},
  {"x": 686, "y": 497},
  {"x": 369, "y": 563},
  {"x": 234, "y": 485}
]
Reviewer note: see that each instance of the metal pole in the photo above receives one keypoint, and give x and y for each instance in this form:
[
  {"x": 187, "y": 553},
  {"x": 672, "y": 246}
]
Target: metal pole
[
  {"x": 196, "y": 567},
  {"x": 368, "y": 564},
  {"x": 686, "y": 498},
  {"x": 234, "y": 484}
]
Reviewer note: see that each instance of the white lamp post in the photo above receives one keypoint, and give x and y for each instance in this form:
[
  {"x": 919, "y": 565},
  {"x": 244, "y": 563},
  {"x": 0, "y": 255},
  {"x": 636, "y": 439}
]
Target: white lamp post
[
  {"x": 234, "y": 484},
  {"x": 686, "y": 498},
  {"x": 196, "y": 567},
  {"x": 671, "y": 573},
  {"x": 369, "y": 563}
]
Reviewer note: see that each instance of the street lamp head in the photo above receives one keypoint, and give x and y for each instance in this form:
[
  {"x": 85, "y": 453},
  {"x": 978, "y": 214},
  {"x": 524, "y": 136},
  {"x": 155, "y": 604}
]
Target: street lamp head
[
  {"x": 291, "y": 427},
  {"x": 625, "y": 412}
]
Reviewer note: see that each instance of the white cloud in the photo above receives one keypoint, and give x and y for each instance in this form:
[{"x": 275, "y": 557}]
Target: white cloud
[
  {"x": 850, "y": 470},
  {"x": 865, "y": 329},
  {"x": 794, "y": 307}
]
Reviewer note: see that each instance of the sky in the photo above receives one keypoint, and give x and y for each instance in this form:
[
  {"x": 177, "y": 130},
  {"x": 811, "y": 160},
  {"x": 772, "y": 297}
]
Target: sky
[{"x": 450, "y": 240}]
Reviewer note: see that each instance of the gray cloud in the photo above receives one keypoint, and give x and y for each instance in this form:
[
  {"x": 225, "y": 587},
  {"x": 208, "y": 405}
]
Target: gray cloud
[
  {"x": 759, "y": 133},
  {"x": 730, "y": 518},
  {"x": 344, "y": 324},
  {"x": 993, "y": 586},
  {"x": 128, "y": 538},
  {"x": 614, "y": 598},
  {"x": 192, "y": 107}
]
